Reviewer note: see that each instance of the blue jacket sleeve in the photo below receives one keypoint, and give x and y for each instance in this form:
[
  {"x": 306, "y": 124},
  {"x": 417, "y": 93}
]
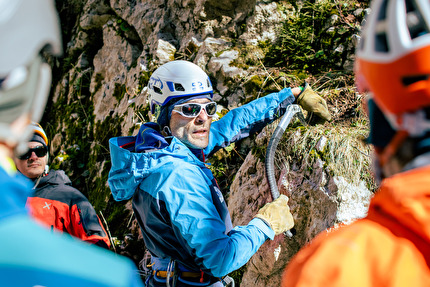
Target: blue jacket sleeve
[
  {"x": 199, "y": 228},
  {"x": 240, "y": 122}
]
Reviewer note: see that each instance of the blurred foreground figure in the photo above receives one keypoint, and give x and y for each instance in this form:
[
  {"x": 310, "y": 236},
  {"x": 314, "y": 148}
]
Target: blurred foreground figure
[
  {"x": 391, "y": 246},
  {"x": 31, "y": 255}
]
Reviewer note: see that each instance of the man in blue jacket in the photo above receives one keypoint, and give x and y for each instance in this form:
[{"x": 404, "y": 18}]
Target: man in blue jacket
[
  {"x": 31, "y": 255},
  {"x": 183, "y": 216}
]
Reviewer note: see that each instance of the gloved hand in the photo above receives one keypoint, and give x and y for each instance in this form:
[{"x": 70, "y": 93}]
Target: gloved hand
[
  {"x": 277, "y": 214},
  {"x": 311, "y": 102}
]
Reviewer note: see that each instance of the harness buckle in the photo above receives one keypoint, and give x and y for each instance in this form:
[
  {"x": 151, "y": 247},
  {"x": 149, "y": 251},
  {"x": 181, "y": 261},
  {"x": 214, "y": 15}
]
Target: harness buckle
[{"x": 227, "y": 281}]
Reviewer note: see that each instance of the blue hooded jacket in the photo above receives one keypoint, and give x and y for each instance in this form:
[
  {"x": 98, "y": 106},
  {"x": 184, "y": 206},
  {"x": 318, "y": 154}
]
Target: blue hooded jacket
[{"x": 176, "y": 200}]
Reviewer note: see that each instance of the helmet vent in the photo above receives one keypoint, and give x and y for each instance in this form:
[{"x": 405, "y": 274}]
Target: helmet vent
[
  {"x": 414, "y": 21},
  {"x": 381, "y": 43},
  {"x": 157, "y": 90},
  {"x": 179, "y": 87},
  {"x": 382, "y": 16},
  {"x": 406, "y": 81}
]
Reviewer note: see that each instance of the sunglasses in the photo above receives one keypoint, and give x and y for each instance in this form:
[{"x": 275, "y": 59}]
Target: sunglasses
[
  {"x": 40, "y": 151},
  {"x": 192, "y": 110}
]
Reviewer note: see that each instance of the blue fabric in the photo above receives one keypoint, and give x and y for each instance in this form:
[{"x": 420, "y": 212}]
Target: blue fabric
[
  {"x": 381, "y": 132},
  {"x": 149, "y": 137},
  {"x": 241, "y": 122},
  {"x": 32, "y": 255},
  {"x": 14, "y": 192},
  {"x": 177, "y": 202}
]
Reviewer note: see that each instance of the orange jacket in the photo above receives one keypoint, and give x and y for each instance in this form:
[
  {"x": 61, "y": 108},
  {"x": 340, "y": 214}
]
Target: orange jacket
[{"x": 390, "y": 247}]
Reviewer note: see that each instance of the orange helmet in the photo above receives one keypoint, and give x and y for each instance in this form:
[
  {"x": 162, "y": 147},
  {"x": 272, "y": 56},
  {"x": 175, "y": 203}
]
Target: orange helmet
[
  {"x": 393, "y": 63},
  {"x": 393, "y": 56}
]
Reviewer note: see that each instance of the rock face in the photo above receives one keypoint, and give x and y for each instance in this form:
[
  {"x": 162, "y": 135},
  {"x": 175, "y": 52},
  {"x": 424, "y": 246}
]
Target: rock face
[
  {"x": 111, "y": 48},
  {"x": 318, "y": 201},
  {"x": 128, "y": 38}
]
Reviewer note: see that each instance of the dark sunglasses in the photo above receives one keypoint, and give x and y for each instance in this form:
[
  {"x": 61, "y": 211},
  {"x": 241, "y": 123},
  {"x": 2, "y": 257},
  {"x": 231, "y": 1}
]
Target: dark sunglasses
[
  {"x": 192, "y": 110},
  {"x": 40, "y": 151}
]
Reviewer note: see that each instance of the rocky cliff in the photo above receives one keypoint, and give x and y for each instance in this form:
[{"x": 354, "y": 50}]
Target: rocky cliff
[{"x": 249, "y": 48}]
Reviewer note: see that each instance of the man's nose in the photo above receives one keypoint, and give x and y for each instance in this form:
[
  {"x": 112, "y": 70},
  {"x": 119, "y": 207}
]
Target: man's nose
[
  {"x": 202, "y": 117},
  {"x": 33, "y": 156}
]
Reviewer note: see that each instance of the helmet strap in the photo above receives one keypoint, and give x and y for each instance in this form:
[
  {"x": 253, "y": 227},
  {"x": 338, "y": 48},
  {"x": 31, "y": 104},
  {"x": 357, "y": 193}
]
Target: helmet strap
[
  {"x": 416, "y": 123},
  {"x": 406, "y": 125},
  {"x": 385, "y": 154}
]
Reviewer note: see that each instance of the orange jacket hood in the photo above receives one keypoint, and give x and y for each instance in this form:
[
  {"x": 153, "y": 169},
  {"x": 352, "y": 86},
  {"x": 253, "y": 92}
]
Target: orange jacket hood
[
  {"x": 405, "y": 197},
  {"x": 390, "y": 247}
]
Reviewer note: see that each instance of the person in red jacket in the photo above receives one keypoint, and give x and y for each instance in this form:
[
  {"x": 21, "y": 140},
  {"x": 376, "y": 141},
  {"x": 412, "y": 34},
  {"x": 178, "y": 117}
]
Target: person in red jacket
[
  {"x": 55, "y": 202},
  {"x": 391, "y": 246}
]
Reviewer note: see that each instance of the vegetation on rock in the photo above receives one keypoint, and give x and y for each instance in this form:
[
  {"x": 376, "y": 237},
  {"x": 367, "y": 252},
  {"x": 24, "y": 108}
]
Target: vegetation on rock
[
  {"x": 315, "y": 43},
  {"x": 317, "y": 36}
]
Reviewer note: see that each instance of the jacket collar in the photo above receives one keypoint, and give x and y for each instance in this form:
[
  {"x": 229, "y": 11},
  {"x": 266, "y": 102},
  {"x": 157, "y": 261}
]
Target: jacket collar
[{"x": 405, "y": 198}]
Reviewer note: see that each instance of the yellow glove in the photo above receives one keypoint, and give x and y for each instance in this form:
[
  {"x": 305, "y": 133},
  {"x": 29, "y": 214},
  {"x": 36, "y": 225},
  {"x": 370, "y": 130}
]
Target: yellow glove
[
  {"x": 277, "y": 214},
  {"x": 312, "y": 102}
]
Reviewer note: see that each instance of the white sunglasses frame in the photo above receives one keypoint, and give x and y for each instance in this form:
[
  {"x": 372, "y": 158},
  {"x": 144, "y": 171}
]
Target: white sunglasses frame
[{"x": 178, "y": 109}]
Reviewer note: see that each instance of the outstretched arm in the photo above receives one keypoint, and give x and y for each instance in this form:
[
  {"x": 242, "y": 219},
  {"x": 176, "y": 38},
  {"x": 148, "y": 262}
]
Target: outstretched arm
[{"x": 243, "y": 121}]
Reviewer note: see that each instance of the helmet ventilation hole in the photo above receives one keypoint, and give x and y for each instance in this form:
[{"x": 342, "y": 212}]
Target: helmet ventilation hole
[
  {"x": 381, "y": 43},
  {"x": 157, "y": 90},
  {"x": 179, "y": 87},
  {"x": 414, "y": 21},
  {"x": 406, "y": 81}
]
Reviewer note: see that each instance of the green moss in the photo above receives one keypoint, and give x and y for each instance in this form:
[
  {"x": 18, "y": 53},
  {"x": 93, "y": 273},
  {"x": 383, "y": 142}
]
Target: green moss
[
  {"x": 143, "y": 79},
  {"x": 300, "y": 75},
  {"x": 119, "y": 91},
  {"x": 259, "y": 151},
  {"x": 122, "y": 27},
  {"x": 248, "y": 56},
  {"x": 98, "y": 79},
  {"x": 237, "y": 275},
  {"x": 306, "y": 43},
  {"x": 105, "y": 130},
  {"x": 255, "y": 83},
  {"x": 117, "y": 217},
  {"x": 58, "y": 160},
  {"x": 100, "y": 192}
]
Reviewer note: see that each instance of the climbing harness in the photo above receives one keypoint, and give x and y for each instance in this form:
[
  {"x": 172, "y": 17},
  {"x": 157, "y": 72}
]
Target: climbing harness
[
  {"x": 173, "y": 274},
  {"x": 227, "y": 281}
]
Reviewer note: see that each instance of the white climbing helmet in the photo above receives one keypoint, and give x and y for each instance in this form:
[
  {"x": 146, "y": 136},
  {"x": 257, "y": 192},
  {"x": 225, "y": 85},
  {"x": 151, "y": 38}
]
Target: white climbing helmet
[
  {"x": 393, "y": 55},
  {"x": 392, "y": 63},
  {"x": 177, "y": 79},
  {"x": 27, "y": 27}
]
